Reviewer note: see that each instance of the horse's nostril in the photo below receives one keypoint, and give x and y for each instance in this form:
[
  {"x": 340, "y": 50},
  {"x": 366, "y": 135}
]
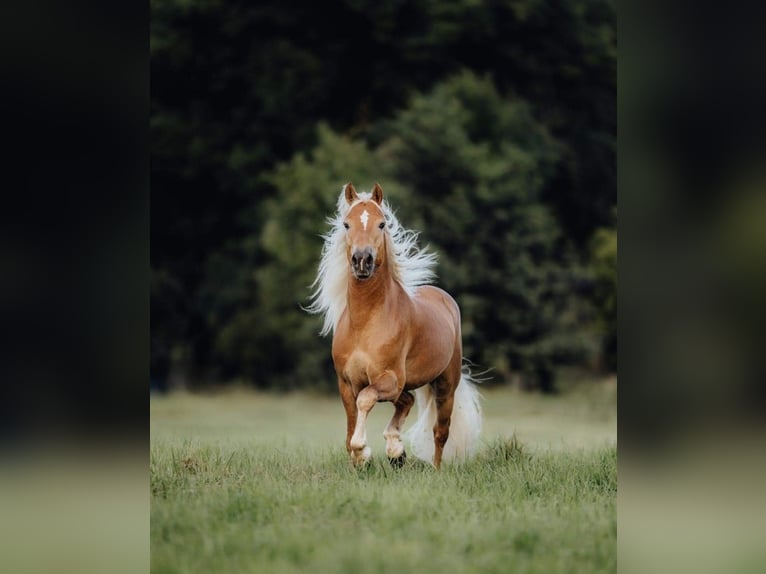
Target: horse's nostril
[{"x": 362, "y": 260}]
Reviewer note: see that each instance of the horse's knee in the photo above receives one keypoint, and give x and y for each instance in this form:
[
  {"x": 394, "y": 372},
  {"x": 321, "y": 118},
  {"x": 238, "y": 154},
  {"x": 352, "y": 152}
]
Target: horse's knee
[{"x": 367, "y": 399}]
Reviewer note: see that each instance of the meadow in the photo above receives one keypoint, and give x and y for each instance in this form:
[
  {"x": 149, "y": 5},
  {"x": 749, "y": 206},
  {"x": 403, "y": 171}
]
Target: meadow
[{"x": 252, "y": 482}]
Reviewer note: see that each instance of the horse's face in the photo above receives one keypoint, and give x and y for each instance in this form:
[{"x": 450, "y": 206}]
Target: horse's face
[{"x": 365, "y": 233}]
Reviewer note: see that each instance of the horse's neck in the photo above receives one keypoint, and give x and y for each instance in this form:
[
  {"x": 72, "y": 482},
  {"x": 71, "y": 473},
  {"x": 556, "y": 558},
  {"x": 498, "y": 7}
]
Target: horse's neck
[{"x": 372, "y": 299}]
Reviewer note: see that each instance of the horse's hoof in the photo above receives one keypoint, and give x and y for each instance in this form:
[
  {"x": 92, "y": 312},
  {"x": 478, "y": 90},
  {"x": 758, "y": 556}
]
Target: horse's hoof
[
  {"x": 360, "y": 456},
  {"x": 398, "y": 462}
]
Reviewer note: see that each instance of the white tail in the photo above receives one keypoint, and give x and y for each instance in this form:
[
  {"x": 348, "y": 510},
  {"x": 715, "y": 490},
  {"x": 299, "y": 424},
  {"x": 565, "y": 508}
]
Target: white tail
[{"x": 464, "y": 429}]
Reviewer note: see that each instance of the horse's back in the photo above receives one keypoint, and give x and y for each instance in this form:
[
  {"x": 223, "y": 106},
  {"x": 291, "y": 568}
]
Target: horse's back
[{"x": 439, "y": 301}]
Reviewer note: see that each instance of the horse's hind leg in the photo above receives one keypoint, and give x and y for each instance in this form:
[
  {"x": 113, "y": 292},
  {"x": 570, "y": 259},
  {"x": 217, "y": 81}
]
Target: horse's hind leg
[
  {"x": 392, "y": 434},
  {"x": 444, "y": 391},
  {"x": 441, "y": 428}
]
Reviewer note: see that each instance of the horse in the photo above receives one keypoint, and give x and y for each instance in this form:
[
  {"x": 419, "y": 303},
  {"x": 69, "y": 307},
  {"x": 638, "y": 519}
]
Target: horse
[{"x": 393, "y": 334}]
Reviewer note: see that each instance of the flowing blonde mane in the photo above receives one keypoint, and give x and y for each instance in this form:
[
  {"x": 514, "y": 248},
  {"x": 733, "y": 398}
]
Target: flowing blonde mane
[{"x": 411, "y": 266}]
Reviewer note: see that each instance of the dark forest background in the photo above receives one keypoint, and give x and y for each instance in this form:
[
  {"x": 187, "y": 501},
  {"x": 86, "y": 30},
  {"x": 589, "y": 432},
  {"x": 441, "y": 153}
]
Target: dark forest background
[{"x": 491, "y": 126}]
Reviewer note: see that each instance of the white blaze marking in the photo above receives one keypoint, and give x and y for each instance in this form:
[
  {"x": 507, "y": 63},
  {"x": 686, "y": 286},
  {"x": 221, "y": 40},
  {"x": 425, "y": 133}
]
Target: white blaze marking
[{"x": 365, "y": 216}]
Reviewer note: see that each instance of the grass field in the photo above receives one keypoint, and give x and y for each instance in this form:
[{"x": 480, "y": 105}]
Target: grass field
[{"x": 246, "y": 482}]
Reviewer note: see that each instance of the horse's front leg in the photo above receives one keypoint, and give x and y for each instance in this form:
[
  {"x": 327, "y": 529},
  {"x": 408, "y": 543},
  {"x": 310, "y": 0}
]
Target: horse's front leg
[
  {"x": 365, "y": 400},
  {"x": 349, "y": 404},
  {"x": 383, "y": 387},
  {"x": 393, "y": 432}
]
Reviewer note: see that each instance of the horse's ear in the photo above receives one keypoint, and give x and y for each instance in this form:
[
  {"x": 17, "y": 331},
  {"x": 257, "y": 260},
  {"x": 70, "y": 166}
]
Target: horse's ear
[
  {"x": 377, "y": 194},
  {"x": 350, "y": 192}
]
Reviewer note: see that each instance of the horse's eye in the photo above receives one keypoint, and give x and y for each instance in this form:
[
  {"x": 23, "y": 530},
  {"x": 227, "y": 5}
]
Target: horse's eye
[
  {"x": 382, "y": 224},
  {"x": 345, "y": 225}
]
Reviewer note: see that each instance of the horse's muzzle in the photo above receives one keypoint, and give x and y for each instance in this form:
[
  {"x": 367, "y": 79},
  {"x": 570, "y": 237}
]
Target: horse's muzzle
[{"x": 363, "y": 263}]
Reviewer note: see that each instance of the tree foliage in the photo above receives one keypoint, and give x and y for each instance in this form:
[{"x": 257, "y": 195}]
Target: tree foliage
[
  {"x": 307, "y": 189},
  {"x": 491, "y": 125},
  {"x": 477, "y": 165}
]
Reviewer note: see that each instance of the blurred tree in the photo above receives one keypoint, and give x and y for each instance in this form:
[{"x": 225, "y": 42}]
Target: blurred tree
[
  {"x": 276, "y": 341},
  {"x": 239, "y": 87},
  {"x": 476, "y": 165},
  {"x": 466, "y": 167}
]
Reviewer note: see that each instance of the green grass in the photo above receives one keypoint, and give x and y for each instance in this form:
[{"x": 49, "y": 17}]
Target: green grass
[{"x": 245, "y": 482}]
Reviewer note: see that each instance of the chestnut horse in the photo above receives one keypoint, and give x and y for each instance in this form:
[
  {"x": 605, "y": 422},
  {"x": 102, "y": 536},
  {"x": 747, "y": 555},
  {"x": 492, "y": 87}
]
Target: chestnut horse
[{"x": 392, "y": 334}]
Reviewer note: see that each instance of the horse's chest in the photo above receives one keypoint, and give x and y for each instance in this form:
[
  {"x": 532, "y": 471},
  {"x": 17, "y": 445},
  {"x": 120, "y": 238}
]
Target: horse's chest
[
  {"x": 356, "y": 368},
  {"x": 367, "y": 359}
]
